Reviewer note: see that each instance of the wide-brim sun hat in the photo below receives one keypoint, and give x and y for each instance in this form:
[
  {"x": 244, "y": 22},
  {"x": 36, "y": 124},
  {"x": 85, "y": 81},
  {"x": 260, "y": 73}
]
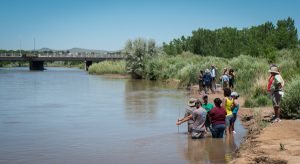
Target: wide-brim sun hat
[
  {"x": 192, "y": 102},
  {"x": 273, "y": 69}
]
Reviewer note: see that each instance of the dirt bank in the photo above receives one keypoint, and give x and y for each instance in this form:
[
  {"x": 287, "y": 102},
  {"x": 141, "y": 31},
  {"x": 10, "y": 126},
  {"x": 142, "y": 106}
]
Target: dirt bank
[{"x": 265, "y": 142}]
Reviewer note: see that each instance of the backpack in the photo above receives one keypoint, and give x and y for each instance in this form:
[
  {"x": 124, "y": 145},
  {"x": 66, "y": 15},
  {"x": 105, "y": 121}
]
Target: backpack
[{"x": 207, "y": 78}]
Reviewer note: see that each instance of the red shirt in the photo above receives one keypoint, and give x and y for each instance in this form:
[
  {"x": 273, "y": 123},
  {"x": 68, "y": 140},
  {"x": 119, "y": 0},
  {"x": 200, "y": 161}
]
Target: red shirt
[
  {"x": 270, "y": 81},
  {"x": 217, "y": 115}
]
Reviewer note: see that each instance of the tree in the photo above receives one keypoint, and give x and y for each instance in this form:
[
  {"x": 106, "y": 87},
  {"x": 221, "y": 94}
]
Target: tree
[
  {"x": 261, "y": 40},
  {"x": 286, "y": 36},
  {"x": 135, "y": 52}
]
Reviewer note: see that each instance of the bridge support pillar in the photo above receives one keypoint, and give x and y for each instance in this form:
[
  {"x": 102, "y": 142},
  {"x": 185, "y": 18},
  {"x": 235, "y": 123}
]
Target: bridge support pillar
[
  {"x": 36, "y": 65},
  {"x": 87, "y": 65}
]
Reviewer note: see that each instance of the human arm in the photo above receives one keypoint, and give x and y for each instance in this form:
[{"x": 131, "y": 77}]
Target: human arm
[
  {"x": 234, "y": 104},
  {"x": 224, "y": 102},
  {"x": 185, "y": 119}
]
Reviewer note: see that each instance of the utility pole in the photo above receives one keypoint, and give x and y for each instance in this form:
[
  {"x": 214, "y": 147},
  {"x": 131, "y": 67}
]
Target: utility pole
[
  {"x": 33, "y": 44},
  {"x": 20, "y": 48}
]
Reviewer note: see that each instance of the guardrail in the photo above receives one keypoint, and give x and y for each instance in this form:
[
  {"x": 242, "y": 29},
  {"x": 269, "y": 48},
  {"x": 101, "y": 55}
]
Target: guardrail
[{"x": 66, "y": 55}]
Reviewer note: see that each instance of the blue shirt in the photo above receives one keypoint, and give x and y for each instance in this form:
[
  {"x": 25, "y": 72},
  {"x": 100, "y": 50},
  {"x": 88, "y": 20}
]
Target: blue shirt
[{"x": 236, "y": 109}]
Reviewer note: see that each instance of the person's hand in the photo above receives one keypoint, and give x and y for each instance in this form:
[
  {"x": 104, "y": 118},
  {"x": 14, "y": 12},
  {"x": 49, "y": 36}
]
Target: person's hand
[{"x": 178, "y": 122}]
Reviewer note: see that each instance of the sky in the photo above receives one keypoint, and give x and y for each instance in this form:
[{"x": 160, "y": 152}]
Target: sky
[{"x": 108, "y": 24}]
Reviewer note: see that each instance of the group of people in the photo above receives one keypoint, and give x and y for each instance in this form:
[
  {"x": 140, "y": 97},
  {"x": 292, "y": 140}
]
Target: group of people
[
  {"x": 203, "y": 116},
  {"x": 207, "y": 79},
  {"x": 220, "y": 116}
]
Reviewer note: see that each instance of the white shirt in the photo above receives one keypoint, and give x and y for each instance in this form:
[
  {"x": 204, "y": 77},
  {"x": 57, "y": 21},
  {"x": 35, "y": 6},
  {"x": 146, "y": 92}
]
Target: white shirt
[{"x": 213, "y": 72}]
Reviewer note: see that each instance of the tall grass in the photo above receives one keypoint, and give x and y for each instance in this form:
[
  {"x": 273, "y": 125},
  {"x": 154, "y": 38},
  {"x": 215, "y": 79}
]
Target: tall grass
[
  {"x": 108, "y": 67},
  {"x": 251, "y": 72},
  {"x": 186, "y": 68}
]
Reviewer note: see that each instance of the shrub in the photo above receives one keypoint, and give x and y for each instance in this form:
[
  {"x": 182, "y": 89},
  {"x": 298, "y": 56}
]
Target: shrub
[
  {"x": 262, "y": 101},
  {"x": 108, "y": 67},
  {"x": 136, "y": 52},
  {"x": 187, "y": 74},
  {"x": 291, "y": 99},
  {"x": 260, "y": 85},
  {"x": 249, "y": 103}
]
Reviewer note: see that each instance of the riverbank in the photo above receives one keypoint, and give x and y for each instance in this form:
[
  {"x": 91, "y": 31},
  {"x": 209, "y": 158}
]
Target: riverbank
[{"x": 265, "y": 142}]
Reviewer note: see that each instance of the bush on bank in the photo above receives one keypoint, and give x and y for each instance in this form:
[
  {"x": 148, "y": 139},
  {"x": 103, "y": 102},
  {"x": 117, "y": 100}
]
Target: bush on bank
[
  {"x": 291, "y": 99},
  {"x": 108, "y": 67}
]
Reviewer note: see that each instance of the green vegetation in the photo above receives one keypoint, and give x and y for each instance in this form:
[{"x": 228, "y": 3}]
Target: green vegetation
[
  {"x": 136, "y": 52},
  {"x": 291, "y": 99},
  {"x": 68, "y": 64},
  {"x": 108, "y": 67},
  {"x": 228, "y": 42}
]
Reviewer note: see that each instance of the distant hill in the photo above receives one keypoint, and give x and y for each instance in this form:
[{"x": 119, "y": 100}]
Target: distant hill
[{"x": 73, "y": 50}]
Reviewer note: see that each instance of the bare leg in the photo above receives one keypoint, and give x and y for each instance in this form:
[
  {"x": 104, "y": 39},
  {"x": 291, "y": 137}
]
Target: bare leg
[{"x": 277, "y": 111}]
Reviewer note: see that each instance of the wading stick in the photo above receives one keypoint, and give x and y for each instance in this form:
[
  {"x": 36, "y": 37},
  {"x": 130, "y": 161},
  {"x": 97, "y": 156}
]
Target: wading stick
[{"x": 178, "y": 117}]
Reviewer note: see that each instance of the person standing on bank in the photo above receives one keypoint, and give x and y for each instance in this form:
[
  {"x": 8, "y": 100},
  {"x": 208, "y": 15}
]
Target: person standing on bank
[
  {"x": 207, "y": 79},
  {"x": 199, "y": 117},
  {"x": 200, "y": 80},
  {"x": 275, "y": 85},
  {"x": 189, "y": 111},
  {"x": 225, "y": 78},
  {"x": 231, "y": 78},
  {"x": 217, "y": 117},
  {"x": 213, "y": 73}
]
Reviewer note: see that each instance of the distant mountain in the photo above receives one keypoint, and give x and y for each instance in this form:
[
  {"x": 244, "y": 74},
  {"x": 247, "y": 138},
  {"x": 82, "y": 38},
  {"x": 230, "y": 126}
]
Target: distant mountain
[
  {"x": 74, "y": 50},
  {"x": 45, "y": 49}
]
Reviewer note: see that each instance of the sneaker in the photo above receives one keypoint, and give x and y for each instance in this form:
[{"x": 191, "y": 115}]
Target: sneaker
[
  {"x": 273, "y": 117},
  {"x": 276, "y": 120},
  {"x": 234, "y": 132}
]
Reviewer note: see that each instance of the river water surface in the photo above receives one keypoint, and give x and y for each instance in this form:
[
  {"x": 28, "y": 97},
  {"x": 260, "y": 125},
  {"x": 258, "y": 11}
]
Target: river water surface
[{"x": 64, "y": 115}]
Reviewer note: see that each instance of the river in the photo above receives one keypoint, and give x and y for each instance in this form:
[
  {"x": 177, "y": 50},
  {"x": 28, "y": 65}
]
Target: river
[{"x": 64, "y": 115}]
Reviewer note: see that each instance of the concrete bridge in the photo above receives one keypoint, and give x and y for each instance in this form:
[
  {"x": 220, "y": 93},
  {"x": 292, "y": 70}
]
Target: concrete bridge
[{"x": 36, "y": 61}]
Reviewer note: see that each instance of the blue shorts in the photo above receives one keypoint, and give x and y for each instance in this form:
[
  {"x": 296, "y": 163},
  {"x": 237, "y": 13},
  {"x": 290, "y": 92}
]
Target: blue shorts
[
  {"x": 228, "y": 120},
  {"x": 234, "y": 116}
]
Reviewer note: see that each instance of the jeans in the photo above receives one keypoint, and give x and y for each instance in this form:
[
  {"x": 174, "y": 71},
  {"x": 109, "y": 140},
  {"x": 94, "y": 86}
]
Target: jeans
[{"x": 218, "y": 130}]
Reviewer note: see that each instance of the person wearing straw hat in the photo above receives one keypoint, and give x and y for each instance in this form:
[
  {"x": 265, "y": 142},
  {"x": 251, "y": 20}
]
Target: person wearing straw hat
[
  {"x": 275, "y": 85},
  {"x": 188, "y": 112},
  {"x": 198, "y": 116}
]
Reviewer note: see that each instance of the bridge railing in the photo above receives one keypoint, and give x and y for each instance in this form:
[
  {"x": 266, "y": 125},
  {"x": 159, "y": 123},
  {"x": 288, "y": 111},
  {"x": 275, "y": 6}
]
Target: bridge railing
[
  {"x": 70, "y": 55},
  {"x": 10, "y": 55}
]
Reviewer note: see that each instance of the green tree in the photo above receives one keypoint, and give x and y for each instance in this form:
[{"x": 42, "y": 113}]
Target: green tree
[
  {"x": 286, "y": 36},
  {"x": 136, "y": 52}
]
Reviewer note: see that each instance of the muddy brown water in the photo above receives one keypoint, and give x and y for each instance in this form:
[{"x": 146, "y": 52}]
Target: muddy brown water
[{"x": 67, "y": 116}]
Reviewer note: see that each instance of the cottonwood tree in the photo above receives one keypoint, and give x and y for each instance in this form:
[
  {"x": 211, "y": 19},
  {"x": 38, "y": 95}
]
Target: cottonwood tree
[{"x": 136, "y": 52}]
